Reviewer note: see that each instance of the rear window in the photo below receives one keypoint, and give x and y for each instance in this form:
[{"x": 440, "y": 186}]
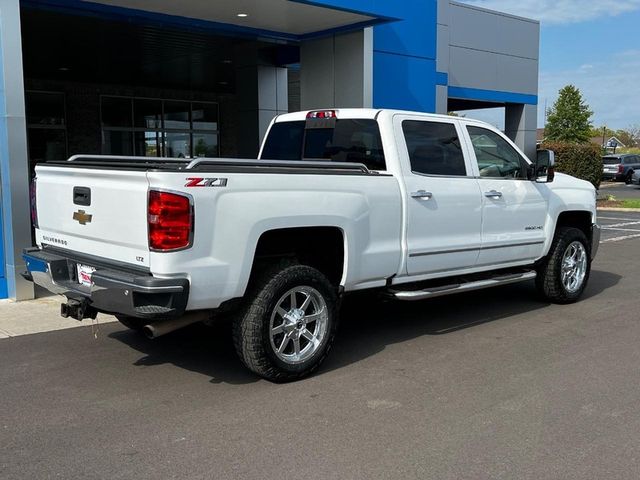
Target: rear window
[
  {"x": 611, "y": 160},
  {"x": 345, "y": 140}
]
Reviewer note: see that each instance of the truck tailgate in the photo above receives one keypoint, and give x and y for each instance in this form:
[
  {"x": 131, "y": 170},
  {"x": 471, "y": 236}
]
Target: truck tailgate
[{"x": 111, "y": 224}]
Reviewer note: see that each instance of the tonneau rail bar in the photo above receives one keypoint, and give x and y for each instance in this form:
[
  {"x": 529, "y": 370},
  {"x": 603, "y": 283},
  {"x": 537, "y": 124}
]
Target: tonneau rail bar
[{"x": 199, "y": 163}]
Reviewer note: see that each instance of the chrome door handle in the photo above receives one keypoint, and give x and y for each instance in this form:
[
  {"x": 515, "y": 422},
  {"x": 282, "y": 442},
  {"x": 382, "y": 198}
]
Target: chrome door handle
[
  {"x": 493, "y": 194},
  {"x": 422, "y": 194}
]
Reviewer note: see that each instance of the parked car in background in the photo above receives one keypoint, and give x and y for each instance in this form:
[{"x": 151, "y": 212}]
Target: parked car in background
[
  {"x": 620, "y": 167},
  {"x": 635, "y": 178}
]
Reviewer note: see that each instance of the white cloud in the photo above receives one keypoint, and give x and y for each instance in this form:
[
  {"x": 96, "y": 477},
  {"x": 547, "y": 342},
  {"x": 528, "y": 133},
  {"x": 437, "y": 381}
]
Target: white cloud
[
  {"x": 560, "y": 11},
  {"x": 610, "y": 88}
]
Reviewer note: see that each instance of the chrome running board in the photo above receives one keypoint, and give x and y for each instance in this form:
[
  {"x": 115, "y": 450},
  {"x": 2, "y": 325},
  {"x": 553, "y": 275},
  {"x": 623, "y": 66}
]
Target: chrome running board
[{"x": 432, "y": 292}]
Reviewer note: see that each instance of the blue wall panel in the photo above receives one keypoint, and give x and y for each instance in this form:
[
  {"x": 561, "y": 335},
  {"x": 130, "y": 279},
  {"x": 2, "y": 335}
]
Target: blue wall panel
[
  {"x": 374, "y": 8},
  {"x": 415, "y": 34},
  {"x": 402, "y": 82},
  {"x": 492, "y": 96},
  {"x": 404, "y": 59}
]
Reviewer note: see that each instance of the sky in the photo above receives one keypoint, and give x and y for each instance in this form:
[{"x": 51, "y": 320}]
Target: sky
[{"x": 594, "y": 45}]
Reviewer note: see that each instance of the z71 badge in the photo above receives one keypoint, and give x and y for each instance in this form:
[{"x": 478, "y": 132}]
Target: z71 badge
[{"x": 206, "y": 182}]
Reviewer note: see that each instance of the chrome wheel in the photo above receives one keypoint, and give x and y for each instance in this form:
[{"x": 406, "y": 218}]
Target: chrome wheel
[
  {"x": 574, "y": 267},
  {"x": 298, "y": 324}
]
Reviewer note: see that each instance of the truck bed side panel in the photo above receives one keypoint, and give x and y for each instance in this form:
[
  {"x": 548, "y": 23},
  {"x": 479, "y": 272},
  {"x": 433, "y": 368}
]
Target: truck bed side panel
[{"x": 230, "y": 220}]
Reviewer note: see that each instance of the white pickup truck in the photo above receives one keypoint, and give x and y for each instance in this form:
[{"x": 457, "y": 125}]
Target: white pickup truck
[{"x": 410, "y": 204}]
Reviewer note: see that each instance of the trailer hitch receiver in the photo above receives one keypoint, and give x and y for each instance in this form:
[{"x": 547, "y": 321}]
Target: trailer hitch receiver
[{"x": 78, "y": 309}]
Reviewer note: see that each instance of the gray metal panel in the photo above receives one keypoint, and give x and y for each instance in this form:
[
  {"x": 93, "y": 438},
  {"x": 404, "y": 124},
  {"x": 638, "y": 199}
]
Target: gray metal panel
[
  {"x": 267, "y": 83},
  {"x": 517, "y": 74},
  {"x": 441, "y": 99},
  {"x": 349, "y": 70},
  {"x": 316, "y": 74},
  {"x": 518, "y": 38},
  {"x": 443, "y": 12},
  {"x": 520, "y": 126},
  {"x": 337, "y": 71},
  {"x": 442, "y": 59},
  {"x": 473, "y": 69},
  {"x": 473, "y": 28},
  {"x": 367, "y": 87},
  {"x": 492, "y": 50},
  {"x": 282, "y": 89}
]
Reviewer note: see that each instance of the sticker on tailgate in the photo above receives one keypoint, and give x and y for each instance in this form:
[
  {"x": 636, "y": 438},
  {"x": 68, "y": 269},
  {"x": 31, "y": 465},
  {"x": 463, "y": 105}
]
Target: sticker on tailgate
[{"x": 84, "y": 274}]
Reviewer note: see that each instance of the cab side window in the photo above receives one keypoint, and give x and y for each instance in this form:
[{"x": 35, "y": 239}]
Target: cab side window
[
  {"x": 496, "y": 158},
  {"x": 434, "y": 148}
]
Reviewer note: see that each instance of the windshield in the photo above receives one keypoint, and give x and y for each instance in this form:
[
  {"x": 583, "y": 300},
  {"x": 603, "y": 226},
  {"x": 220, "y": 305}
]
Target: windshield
[{"x": 346, "y": 140}]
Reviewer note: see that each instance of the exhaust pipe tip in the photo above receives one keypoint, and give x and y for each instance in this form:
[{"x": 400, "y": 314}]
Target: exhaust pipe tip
[
  {"x": 162, "y": 327},
  {"x": 149, "y": 332}
]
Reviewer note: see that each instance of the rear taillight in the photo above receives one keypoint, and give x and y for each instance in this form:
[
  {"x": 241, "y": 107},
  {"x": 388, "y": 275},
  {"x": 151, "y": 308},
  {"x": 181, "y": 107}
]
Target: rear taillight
[
  {"x": 32, "y": 202},
  {"x": 170, "y": 220},
  {"x": 620, "y": 168}
]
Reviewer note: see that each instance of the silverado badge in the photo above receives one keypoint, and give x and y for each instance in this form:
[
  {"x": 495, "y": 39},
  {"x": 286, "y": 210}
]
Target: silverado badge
[{"x": 82, "y": 217}]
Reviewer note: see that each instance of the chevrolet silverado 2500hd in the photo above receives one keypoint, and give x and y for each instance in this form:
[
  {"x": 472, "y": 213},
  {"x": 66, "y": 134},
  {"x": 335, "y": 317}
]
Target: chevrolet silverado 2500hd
[{"x": 411, "y": 204}]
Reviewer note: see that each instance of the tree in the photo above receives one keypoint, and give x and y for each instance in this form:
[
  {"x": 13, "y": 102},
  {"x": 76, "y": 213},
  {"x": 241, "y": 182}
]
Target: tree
[{"x": 569, "y": 120}]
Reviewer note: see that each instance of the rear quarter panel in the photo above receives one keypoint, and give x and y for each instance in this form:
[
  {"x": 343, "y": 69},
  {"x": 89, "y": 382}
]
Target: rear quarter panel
[{"x": 230, "y": 220}]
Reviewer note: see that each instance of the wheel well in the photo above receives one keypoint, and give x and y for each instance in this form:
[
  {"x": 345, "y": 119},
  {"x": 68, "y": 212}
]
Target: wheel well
[
  {"x": 577, "y": 219},
  {"x": 319, "y": 247}
]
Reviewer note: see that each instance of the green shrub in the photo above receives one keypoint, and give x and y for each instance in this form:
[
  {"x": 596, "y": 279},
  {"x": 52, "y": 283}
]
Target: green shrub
[{"x": 582, "y": 160}]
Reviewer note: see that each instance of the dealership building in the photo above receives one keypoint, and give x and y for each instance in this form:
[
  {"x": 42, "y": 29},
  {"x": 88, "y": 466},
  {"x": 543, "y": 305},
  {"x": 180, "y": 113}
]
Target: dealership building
[{"x": 205, "y": 78}]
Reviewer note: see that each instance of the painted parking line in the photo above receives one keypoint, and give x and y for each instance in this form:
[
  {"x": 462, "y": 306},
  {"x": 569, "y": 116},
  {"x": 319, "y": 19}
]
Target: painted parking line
[
  {"x": 619, "y": 239},
  {"x": 624, "y": 224},
  {"x": 616, "y": 219},
  {"x": 621, "y": 229},
  {"x": 631, "y": 216}
]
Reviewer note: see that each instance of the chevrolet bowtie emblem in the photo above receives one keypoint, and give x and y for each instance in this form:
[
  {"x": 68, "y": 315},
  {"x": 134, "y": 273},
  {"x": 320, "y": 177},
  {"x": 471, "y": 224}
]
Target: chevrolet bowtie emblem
[{"x": 82, "y": 217}]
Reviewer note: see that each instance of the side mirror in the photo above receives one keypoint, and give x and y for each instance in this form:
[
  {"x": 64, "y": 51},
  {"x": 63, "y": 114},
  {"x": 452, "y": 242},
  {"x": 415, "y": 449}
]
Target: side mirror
[{"x": 543, "y": 170}]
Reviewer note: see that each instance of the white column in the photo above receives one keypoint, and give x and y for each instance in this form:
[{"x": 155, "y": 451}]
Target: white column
[
  {"x": 337, "y": 71},
  {"x": 14, "y": 166},
  {"x": 262, "y": 90},
  {"x": 520, "y": 126}
]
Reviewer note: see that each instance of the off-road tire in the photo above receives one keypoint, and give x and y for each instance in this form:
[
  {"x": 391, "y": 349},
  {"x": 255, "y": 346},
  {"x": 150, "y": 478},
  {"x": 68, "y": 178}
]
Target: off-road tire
[
  {"x": 549, "y": 281},
  {"x": 132, "y": 323},
  {"x": 251, "y": 326}
]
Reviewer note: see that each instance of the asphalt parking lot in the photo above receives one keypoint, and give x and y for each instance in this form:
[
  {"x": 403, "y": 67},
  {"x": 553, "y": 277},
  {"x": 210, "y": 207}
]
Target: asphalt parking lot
[
  {"x": 490, "y": 384},
  {"x": 620, "y": 190},
  {"x": 619, "y": 226}
]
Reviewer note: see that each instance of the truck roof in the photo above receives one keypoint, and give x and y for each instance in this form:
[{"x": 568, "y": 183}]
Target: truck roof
[{"x": 370, "y": 113}]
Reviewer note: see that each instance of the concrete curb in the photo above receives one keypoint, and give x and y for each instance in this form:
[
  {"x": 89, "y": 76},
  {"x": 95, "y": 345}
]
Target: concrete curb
[
  {"x": 37, "y": 316},
  {"x": 616, "y": 209}
]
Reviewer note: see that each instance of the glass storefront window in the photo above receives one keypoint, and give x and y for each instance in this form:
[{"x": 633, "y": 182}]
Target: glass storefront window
[
  {"x": 46, "y": 127},
  {"x": 45, "y": 144},
  {"x": 118, "y": 142},
  {"x": 163, "y": 128},
  {"x": 45, "y": 109},
  {"x": 148, "y": 144},
  {"x": 177, "y": 115},
  {"x": 147, "y": 113},
  {"x": 177, "y": 144},
  {"x": 116, "y": 112},
  {"x": 205, "y": 145},
  {"x": 205, "y": 116}
]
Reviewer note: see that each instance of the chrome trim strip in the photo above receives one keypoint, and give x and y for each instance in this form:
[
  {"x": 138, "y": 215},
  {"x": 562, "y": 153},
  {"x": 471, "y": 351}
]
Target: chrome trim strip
[{"x": 493, "y": 247}]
